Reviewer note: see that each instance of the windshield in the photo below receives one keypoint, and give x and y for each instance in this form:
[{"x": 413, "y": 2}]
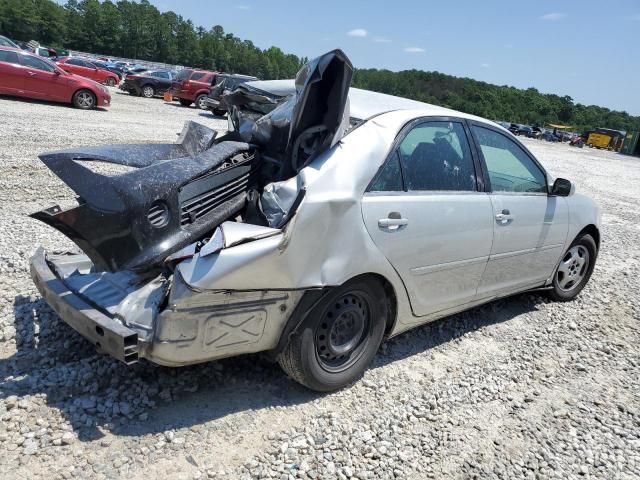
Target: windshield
[{"x": 183, "y": 74}]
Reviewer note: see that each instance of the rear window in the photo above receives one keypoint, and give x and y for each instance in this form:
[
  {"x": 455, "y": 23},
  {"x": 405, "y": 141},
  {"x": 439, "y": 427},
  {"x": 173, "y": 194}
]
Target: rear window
[{"x": 9, "y": 57}]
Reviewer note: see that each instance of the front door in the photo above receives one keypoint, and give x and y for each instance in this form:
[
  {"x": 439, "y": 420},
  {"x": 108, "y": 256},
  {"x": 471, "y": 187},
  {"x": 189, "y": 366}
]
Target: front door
[
  {"x": 530, "y": 226},
  {"x": 427, "y": 215}
]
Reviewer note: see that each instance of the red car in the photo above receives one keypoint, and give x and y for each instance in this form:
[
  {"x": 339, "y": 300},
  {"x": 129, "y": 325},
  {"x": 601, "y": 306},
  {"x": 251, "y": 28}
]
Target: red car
[
  {"x": 25, "y": 74},
  {"x": 193, "y": 86},
  {"x": 85, "y": 68}
]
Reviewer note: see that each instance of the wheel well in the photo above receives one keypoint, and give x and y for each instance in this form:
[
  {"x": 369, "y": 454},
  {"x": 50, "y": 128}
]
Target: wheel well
[
  {"x": 312, "y": 296},
  {"x": 593, "y": 231},
  {"x": 392, "y": 299}
]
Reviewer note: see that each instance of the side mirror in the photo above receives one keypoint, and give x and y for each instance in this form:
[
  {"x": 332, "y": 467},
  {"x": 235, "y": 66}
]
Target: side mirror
[
  {"x": 56, "y": 72},
  {"x": 562, "y": 188}
]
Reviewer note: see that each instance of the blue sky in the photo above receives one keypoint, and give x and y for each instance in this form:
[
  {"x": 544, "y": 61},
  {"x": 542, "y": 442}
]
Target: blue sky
[{"x": 587, "y": 49}]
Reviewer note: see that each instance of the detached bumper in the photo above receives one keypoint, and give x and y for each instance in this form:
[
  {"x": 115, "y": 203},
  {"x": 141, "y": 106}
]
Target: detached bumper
[{"x": 107, "y": 334}]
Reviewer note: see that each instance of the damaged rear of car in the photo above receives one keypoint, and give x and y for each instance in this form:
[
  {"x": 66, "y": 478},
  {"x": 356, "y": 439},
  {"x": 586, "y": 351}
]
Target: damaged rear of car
[{"x": 174, "y": 236}]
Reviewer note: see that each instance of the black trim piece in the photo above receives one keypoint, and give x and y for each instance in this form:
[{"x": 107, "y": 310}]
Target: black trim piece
[{"x": 305, "y": 306}]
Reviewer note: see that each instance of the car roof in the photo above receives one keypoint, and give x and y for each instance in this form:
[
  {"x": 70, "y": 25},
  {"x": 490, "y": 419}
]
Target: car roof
[
  {"x": 364, "y": 104},
  {"x": 11, "y": 49}
]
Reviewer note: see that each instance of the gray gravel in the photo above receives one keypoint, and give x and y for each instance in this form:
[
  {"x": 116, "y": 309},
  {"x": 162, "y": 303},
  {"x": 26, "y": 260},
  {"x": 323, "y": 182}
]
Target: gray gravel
[{"x": 520, "y": 388}]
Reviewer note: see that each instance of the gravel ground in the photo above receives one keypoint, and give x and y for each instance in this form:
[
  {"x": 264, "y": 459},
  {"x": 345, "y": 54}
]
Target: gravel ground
[{"x": 520, "y": 388}]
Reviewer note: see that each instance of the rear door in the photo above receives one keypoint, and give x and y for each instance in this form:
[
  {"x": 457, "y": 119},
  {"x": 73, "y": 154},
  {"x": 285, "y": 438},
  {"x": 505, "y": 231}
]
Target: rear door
[
  {"x": 11, "y": 73},
  {"x": 427, "y": 213},
  {"x": 162, "y": 81},
  {"x": 42, "y": 81},
  {"x": 530, "y": 226}
]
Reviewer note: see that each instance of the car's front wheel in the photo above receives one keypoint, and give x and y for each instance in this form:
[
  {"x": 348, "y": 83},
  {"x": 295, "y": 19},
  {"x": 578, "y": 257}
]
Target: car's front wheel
[
  {"x": 84, "y": 99},
  {"x": 339, "y": 338},
  {"x": 575, "y": 268}
]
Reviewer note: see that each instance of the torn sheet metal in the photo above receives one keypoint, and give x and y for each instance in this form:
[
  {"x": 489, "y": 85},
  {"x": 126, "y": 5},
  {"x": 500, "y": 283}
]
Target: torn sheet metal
[
  {"x": 136, "y": 219},
  {"x": 230, "y": 234},
  {"x": 304, "y": 124}
]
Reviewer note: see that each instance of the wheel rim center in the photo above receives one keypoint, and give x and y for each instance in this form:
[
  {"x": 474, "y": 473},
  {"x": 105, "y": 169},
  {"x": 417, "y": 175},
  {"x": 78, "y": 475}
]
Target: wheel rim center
[{"x": 346, "y": 331}]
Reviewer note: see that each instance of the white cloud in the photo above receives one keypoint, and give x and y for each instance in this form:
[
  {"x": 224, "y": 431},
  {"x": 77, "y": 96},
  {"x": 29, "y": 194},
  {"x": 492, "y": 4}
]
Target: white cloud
[
  {"x": 485, "y": 65},
  {"x": 358, "y": 32},
  {"x": 553, "y": 17},
  {"x": 414, "y": 50},
  {"x": 381, "y": 40},
  {"x": 243, "y": 7}
]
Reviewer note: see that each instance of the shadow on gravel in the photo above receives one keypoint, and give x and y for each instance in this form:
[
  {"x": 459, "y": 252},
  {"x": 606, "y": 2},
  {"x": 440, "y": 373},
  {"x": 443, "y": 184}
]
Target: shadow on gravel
[
  {"x": 212, "y": 115},
  {"x": 449, "y": 328},
  {"x": 54, "y": 362}
]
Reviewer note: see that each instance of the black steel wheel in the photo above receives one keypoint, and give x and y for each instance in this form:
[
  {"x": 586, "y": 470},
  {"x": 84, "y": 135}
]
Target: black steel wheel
[
  {"x": 342, "y": 332},
  {"x": 337, "y": 341}
]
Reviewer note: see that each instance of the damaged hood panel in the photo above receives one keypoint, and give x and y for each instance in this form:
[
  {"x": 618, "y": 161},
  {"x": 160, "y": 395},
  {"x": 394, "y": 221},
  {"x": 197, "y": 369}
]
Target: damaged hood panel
[{"x": 306, "y": 123}]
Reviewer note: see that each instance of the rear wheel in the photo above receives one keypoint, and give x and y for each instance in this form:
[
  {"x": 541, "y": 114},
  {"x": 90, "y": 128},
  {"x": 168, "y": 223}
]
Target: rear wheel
[
  {"x": 148, "y": 91},
  {"x": 185, "y": 103},
  {"x": 200, "y": 101},
  {"x": 84, "y": 99},
  {"x": 575, "y": 268},
  {"x": 111, "y": 82},
  {"x": 339, "y": 338},
  {"x": 219, "y": 112}
]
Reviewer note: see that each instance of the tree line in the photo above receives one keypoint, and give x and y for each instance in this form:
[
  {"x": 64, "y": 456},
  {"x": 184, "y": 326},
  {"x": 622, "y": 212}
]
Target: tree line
[{"x": 132, "y": 29}]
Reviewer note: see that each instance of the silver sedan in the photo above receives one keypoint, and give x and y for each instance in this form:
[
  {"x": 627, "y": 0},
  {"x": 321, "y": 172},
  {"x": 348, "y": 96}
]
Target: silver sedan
[{"x": 408, "y": 213}]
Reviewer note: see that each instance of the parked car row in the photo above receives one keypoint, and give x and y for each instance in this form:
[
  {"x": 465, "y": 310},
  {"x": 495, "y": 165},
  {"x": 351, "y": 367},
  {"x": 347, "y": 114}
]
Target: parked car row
[{"x": 25, "y": 74}]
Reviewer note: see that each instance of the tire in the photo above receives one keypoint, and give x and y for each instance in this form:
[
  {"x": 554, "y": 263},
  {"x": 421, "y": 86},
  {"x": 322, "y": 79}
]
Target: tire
[
  {"x": 219, "y": 112},
  {"x": 84, "y": 99},
  {"x": 339, "y": 338},
  {"x": 575, "y": 269},
  {"x": 148, "y": 91},
  {"x": 185, "y": 103},
  {"x": 200, "y": 101},
  {"x": 110, "y": 82}
]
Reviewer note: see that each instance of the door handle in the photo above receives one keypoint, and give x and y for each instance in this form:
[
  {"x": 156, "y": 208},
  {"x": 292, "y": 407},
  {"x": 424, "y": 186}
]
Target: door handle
[
  {"x": 394, "y": 221},
  {"x": 504, "y": 216},
  {"x": 31, "y": 74}
]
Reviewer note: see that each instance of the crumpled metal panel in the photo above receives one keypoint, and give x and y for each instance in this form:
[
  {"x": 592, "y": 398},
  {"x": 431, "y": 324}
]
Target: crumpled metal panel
[
  {"x": 132, "y": 298},
  {"x": 304, "y": 124}
]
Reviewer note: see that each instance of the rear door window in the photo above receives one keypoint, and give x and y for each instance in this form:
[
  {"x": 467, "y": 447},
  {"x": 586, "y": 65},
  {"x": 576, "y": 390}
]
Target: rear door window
[
  {"x": 197, "y": 75},
  {"x": 36, "y": 63},
  {"x": 435, "y": 156},
  {"x": 9, "y": 57}
]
